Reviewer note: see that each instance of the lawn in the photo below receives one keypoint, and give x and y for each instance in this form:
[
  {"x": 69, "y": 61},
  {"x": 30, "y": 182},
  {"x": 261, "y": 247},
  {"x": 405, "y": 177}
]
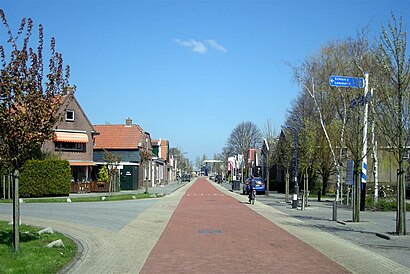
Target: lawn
[{"x": 34, "y": 256}]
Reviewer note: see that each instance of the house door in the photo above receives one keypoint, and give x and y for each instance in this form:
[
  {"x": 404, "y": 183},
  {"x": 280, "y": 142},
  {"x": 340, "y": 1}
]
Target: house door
[{"x": 127, "y": 178}]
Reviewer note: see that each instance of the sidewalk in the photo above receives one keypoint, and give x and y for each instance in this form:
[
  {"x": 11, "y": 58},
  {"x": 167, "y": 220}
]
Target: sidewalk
[{"x": 374, "y": 232}]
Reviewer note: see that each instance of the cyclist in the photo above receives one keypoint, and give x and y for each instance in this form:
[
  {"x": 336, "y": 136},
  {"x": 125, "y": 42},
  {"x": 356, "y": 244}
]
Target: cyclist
[{"x": 252, "y": 185}]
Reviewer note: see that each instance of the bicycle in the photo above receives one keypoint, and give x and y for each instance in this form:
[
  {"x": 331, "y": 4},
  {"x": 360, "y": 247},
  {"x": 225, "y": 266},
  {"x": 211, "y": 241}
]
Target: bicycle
[{"x": 252, "y": 197}]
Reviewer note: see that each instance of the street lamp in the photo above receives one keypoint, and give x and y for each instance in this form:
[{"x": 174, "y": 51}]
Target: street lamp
[{"x": 296, "y": 189}]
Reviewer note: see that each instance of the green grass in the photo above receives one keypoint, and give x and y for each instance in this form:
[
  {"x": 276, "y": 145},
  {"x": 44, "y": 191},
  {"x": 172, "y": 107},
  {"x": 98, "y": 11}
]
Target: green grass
[
  {"x": 87, "y": 199},
  {"x": 33, "y": 256}
]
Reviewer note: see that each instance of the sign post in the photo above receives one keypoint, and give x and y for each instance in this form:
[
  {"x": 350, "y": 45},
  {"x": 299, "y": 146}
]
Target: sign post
[
  {"x": 355, "y": 82},
  {"x": 346, "y": 81}
]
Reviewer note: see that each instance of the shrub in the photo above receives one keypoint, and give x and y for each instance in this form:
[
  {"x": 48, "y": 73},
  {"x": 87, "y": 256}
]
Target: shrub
[
  {"x": 383, "y": 204},
  {"x": 103, "y": 175},
  {"x": 45, "y": 178}
]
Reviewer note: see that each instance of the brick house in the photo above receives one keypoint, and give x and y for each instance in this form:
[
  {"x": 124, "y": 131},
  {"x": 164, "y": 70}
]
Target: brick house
[
  {"x": 125, "y": 140},
  {"x": 73, "y": 138},
  {"x": 161, "y": 165}
]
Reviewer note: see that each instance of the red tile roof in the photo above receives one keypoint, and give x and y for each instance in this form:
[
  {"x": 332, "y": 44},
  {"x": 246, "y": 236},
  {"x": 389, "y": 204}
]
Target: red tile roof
[{"x": 118, "y": 136}]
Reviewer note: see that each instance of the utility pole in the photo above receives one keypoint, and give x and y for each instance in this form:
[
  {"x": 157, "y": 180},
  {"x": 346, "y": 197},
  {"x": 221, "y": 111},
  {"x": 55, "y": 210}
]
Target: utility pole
[
  {"x": 296, "y": 187},
  {"x": 296, "y": 190},
  {"x": 16, "y": 212},
  {"x": 364, "y": 143}
]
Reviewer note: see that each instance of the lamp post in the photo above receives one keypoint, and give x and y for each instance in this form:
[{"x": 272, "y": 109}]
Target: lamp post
[{"x": 296, "y": 188}]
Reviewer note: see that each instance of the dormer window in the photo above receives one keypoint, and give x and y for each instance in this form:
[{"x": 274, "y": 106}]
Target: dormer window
[{"x": 69, "y": 115}]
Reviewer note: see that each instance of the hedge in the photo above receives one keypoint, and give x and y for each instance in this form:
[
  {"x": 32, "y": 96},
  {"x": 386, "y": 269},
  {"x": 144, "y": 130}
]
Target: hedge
[{"x": 45, "y": 178}]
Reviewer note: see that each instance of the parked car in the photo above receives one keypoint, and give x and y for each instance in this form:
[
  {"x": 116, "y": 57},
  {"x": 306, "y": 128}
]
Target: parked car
[
  {"x": 259, "y": 186},
  {"x": 186, "y": 178}
]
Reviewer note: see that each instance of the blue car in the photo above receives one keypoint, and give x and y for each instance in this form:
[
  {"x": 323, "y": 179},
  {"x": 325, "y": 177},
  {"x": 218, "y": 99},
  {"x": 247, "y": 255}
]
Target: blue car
[{"x": 259, "y": 186}]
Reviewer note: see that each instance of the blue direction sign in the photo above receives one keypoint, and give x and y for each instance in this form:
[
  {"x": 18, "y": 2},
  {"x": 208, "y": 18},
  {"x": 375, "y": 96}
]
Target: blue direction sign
[{"x": 345, "y": 81}]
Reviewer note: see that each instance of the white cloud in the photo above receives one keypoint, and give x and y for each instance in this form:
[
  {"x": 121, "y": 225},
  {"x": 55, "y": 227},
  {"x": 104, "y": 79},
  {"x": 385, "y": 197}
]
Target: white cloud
[
  {"x": 200, "y": 47},
  {"x": 196, "y": 46},
  {"x": 213, "y": 44}
]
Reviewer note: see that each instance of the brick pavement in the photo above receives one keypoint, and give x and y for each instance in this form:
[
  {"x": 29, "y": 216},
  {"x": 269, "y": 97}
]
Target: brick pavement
[{"x": 211, "y": 232}]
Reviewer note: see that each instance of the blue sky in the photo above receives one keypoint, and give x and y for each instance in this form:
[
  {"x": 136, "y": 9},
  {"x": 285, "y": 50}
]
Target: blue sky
[{"x": 190, "y": 71}]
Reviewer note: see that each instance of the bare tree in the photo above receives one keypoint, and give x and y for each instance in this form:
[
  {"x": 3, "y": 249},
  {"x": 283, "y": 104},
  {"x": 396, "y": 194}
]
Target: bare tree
[
  {"x": 340, "y": 124},
  {"x": 271, "y": 137},
  {"x": 113, "y": 161},
  {"x": 146, "y": 156},
  {"x": 285, "y": 155},
  {"x": 183, "y": 162},
  {"x": 309, "y": 86},
  {"x": 199, "y": 162},
  {"x": 244, "y": 136},
  {"x": 393, "y": 105}
]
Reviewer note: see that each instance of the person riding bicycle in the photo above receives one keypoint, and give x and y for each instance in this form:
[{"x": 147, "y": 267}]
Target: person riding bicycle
[{"x": 252, "y": 185}]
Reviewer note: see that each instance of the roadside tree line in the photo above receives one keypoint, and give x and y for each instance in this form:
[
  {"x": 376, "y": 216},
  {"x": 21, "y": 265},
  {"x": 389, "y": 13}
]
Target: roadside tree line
[{"x": 330, "y": 121}]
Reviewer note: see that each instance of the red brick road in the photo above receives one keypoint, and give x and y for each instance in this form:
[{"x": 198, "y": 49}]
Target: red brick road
[{"x": 210, "y": 232}]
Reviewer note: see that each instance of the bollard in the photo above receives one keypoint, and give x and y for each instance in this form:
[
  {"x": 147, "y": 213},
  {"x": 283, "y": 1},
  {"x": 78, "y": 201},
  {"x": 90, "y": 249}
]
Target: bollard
[
  {"x": 318, "y": 195},
  {"x": 295, "y": 201},
  {"x": 303, "y": 202},
  {"x": 334, "y": 210}
]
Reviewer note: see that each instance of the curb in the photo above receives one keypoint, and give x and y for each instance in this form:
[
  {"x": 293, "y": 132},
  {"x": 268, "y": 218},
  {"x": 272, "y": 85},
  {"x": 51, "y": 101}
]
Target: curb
[
  {"x": 78, "y": 256},
  {"x": 384, "y": 236}
]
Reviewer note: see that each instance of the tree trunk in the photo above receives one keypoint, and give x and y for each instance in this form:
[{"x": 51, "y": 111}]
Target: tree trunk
[
  {"x": 267, "y": 179},
  {"x": 3, "y": 179},
  {"x": 401, "y": 200},
  {"x": 325, "y": 185},
  {"x": 287, "y": 186},
  {"x": 146, "y": 180},
  {"x": 306, "y": 187},
  {"x": 356, "y": 192},
  {"x": 110, "y": 186},
  {"x": 16, "y": 212},
  {"x": 375, "y": 157}
]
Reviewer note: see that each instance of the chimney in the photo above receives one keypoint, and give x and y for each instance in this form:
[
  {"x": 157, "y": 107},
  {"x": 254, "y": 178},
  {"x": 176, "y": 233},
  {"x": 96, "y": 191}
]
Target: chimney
[
  {"x": 128, "y": 122},
  {"x": 69, "y": 90}
]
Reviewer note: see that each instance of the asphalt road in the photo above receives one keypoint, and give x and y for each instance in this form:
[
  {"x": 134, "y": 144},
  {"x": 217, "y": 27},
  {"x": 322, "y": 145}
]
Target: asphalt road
[{"x": 112, "y": 216}]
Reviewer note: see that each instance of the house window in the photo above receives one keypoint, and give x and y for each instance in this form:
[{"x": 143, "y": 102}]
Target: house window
[
  {"x": 69, "y": 115},
  {"x": 70, "y": 146}
]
